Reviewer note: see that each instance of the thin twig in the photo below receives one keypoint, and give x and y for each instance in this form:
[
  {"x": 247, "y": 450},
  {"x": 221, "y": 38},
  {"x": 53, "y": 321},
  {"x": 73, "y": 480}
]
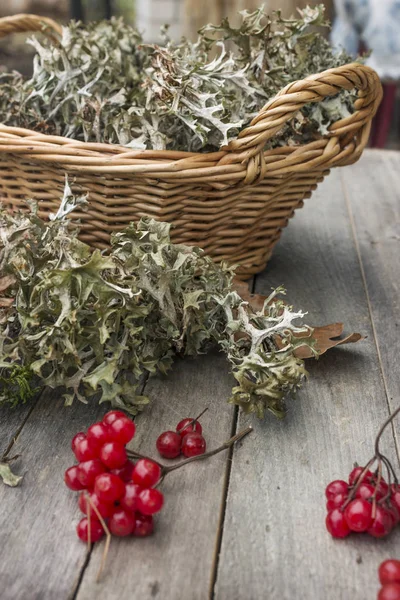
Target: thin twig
[
  {"x": 89, "y": 516},
  {"x": 358, "y": 482},
  {"x": 225, "y": 446},
  {"x": 377, "y": 483},
  {"x": 382, "y": 429},
  {"x": 133, "y": 454},
  {"x": 108, "y": 537},
  {"x": 193, "y": 421}
]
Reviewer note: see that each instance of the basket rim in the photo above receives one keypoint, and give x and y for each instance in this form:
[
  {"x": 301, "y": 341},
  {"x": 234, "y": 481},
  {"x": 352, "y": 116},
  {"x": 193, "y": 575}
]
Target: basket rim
[{"x": 244, "y": 159}]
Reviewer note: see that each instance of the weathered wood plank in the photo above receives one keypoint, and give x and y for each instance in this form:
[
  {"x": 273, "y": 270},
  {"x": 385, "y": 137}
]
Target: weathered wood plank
[
  {"x": 372, "y": 189},
  {"x": 274, "y": 542},
  {"x": 40, "y": 555},
  {"x": 177, "y": 561},
  {"x": 11, "y": 420}
]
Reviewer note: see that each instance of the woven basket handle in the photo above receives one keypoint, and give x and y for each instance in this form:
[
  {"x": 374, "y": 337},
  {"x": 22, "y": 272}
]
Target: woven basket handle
[
  {"x": 280, "y": 109},
  {"x": 24, "y": 23}
]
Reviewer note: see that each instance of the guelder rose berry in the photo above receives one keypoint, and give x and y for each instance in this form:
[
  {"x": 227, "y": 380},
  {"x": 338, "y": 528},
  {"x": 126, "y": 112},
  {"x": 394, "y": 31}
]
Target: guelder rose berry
[
  {"x": 336, "y": 524},
  {"x": 122, "y": 430},
  {"x": 72, "y": 480},
  {"x": 146, "y": 473},
  {"x": 122, "y": 523},
  {"x": 109, "y": 487},
  {"x": 113, "y": 455},
  {"x": 188, "y": 425},
  {"x": 88, "y": 471},
  {"x": 112, "y": 415},
  {"x": 121, "y": 496},
  {"x": 96, "y": 530},
  {"x": 169, "y": 444},
  {"x": 98, "y": 434},
  {"x": 150, "y": 501},
  {"x": 193, "y": 444},
  {"x": 105, "y": 509},
  {"x": 389, "y": 571},
  {"x": 144, "y": 525}
]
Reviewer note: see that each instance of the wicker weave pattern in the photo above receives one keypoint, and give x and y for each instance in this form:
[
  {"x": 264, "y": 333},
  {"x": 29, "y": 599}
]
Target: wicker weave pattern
[{"x": 233, "y": 203}]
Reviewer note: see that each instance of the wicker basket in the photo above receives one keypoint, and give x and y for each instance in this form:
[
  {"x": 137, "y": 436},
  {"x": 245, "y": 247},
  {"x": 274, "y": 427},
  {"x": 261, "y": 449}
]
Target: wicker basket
[{"x": 233, "y": 203}]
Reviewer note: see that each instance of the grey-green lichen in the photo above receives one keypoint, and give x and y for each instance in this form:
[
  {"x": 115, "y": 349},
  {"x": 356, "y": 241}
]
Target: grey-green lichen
[
  {"x": 102, "y": 83},
  {"x": 94, "y": 324}
]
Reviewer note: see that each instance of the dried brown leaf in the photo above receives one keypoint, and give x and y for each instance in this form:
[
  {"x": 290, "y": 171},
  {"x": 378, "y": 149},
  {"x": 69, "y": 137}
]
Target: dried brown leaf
[{"x": 326, "y": 336}]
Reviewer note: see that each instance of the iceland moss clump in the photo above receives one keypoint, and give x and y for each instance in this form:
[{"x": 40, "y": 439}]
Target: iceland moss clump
[
  {"x": 94, "y": 324},
  {"x": 102, "y": 84}
]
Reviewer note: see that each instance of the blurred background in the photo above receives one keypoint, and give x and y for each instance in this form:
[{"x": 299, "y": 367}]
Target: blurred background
[{"x": 357, "y": 24}]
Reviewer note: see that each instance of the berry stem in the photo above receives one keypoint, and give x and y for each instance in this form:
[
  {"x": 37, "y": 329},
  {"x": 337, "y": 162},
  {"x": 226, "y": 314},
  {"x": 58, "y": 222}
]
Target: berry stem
[
  {"x": 106, "y": 531},
  {"x": 224, "y": 446},
  {"x": 378, "y": 481},
  {"x": 133, "y": 454},
  {"x": 358, "y": 482},
  {"x": 194, "y": 421},
  {"x": 390, "y": 469},
  {"x": 89, "y": 518},
  {"x": 382, "y": 429}
]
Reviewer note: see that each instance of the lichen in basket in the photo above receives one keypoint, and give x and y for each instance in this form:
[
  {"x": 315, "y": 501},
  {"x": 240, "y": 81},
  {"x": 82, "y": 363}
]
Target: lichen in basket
[{"x": 102, "y": 83}]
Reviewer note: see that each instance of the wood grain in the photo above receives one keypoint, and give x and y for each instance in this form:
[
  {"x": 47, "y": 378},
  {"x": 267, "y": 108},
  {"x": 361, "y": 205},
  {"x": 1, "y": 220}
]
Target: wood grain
[
  {"x": 274, "y": 542},
  {"x": 11, "y": 420},
  {"x": 177, "y": 561},
  {"x": 372, "y": 190},
  {"x": 40, "y": 555}
]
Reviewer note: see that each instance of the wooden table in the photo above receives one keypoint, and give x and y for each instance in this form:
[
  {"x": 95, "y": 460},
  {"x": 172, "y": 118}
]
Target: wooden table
[{"x": 247, "y": 525}]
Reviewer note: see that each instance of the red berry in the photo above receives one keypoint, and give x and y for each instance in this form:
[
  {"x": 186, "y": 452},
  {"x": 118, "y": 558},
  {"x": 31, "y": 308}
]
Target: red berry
[
  {"x": 193, "y": 444},
  {"x": 144, "y": 525},
  {"x": 96, "y": 530},
  {"x": 355, "y": 474},
  {"x": 88, "y": 471},
  {"x": 389, "y": 571},
  {"x": 71, "y": 479},
  {"x": 99, "y": 434},
  {"x": 109, "y": 487},
  {"x": 394, "y": 513},
  {"x": 390, "y": 591},
  {"x": 129, "y": 501},
  {"x": 383, "y": 489},
  {"x": 105, "y": 509},
  {"x": 76, "y": 439},
  {"x": 125, "y": 472},
  {"x": 336, "y": 501},
  {"x": 150, "y": 501},
  {"x": 112, "y": 415},
  {"x": 146, "y": 473},
  {"x": 336, "y": 524},
  {"x": 169, "y": 444},
  {"x": 113, "y": 455},
  {"x": 187, "y": 426},
  {"x": 382, "y": 524},
  {"x": 395, "y": 497},
  {"x": 365, "y": 491},
  {"x": 336, "y": 487},
  {"x": 122, "y": 523},
  {"x": 84, "y": 451},
  {"x": 123, "y": 430},
  {"x": 358, "y": 515}
]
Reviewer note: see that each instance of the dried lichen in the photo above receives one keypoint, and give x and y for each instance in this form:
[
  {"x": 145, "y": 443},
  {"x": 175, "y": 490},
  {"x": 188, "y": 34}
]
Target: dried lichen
[
  {"x": 95, "y": 324},
  {"x": 103, "y": 84}
]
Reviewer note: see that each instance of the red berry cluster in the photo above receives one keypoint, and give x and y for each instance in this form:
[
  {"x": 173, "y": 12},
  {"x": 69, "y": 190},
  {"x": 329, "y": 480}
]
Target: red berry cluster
[
  {"x": 389, "y": 576},
  {"x": 367, "y": 503},
  {"x": 187, "y": 439},
  {"x": 113, "y": 488}
]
